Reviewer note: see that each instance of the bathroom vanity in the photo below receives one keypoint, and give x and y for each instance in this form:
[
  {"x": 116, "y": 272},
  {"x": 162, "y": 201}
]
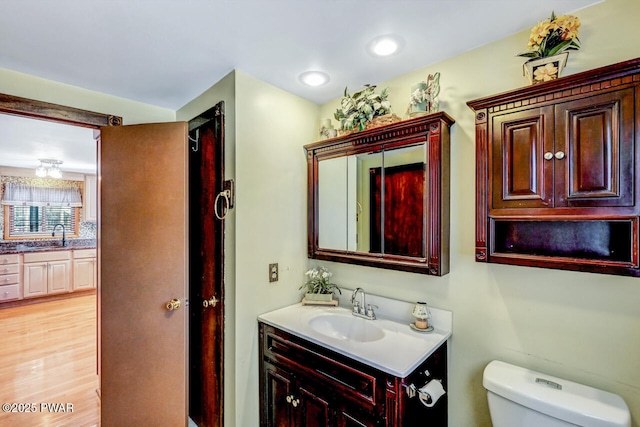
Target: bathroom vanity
[{"x": 324, "y": 367}]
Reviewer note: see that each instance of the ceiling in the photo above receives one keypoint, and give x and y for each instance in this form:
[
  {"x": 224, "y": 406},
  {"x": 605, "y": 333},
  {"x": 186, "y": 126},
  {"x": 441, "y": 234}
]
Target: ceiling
[{"x": 167, "y": 52}]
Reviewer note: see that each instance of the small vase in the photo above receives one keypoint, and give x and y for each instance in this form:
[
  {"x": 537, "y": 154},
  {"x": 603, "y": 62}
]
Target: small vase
[
  {"x": 418, "y": 108},
  {"x": 540, "y": 70}
]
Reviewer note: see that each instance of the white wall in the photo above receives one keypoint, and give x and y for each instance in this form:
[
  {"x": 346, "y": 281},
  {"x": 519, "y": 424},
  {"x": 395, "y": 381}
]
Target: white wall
[
  {"x": 581, "y": 326},
  {"x": 272, "y": 125}
]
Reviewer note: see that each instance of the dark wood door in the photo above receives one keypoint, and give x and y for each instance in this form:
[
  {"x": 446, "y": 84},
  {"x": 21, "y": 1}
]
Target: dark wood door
[
  {"x": 206, "y": 276},
  {"x": 403, "y": 224},
  {"x": 595, "y": 150},
  {"x": 142, "y": 260},
  {"x": 521, "y": 175}
]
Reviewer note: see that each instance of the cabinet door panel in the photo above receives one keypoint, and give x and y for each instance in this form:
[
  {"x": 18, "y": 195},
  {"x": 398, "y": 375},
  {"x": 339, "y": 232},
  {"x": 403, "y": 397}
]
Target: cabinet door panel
[
  {"x": 35, "y": 279},
  {"x": 313, "y": 410},
  {"x": 596, "y": 135},
  {"x": 84, "y": 272},
  {"x": 346, "y": 419},
  {"x": 521, "y": 177},
  {"x": 59, "y": 277},
  {"x": 277, "y": 412}
]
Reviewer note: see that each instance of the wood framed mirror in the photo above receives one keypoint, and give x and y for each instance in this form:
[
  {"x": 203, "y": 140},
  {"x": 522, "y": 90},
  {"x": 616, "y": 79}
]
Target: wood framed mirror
[{"x": 380, "y": 197}]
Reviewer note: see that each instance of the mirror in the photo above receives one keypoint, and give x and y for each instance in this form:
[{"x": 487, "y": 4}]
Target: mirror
[{"x": 376, "y": 199}]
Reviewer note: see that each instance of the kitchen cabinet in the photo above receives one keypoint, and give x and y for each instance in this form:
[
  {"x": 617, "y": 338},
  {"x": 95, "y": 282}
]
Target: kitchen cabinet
[
  {"x": 10, "y": 284},
  {"x": 556, "y": 170},
  {"x": 84, "y": 269},
  {"x": 90, "y": 201},
  {"x": 46, "y": 273},
  {"x": 304, "y": 384}
]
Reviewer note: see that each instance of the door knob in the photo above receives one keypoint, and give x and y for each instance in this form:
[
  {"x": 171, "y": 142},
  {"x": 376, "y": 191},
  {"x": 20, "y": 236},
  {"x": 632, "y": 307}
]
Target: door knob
[
  {"x": 211, "y": 302},
  {"x": 174, "y": 304}
]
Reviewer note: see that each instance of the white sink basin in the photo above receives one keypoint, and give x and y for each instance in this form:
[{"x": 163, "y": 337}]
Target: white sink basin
[
  {"x": 348, "y": 328},
  {"x": 385, "y": 344}
]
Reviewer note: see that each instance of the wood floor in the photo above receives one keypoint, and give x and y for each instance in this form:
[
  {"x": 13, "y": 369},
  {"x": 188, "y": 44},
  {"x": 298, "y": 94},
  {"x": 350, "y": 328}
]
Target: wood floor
[{"x": 48, "y": 364}]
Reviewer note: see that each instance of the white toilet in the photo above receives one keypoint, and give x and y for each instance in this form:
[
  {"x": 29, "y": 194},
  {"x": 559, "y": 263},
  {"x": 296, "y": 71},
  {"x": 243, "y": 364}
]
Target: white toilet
[{"x": 519, "y": 397}]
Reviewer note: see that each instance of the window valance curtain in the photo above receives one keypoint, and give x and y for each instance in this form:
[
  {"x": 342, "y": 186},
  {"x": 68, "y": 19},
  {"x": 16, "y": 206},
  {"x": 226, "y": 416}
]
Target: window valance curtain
[{"x": 29, "y": 195}]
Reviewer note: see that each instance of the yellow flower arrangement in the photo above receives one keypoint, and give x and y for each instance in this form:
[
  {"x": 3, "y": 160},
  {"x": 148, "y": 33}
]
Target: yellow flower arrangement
[{"x": 553, "y": 36}]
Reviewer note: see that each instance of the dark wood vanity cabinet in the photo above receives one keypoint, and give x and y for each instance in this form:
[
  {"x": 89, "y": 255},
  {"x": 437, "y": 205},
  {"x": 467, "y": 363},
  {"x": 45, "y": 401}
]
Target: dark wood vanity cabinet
[
  {"x": 556, "y": 171},
  {"x": 305, "y": 385}
]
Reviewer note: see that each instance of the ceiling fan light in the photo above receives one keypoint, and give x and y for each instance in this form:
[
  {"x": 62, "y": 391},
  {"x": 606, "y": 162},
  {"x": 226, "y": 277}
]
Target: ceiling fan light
[
  {"x": 54, "y": 172},
  {"x": 41, "y": 171}
]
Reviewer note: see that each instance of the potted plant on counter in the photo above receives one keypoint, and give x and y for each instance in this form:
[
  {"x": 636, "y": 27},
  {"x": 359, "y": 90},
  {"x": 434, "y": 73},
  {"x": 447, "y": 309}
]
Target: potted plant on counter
[{"x": 319, "y": 288}]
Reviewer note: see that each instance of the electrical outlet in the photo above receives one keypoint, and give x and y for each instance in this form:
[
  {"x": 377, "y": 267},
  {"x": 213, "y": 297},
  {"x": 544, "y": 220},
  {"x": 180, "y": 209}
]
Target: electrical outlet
[{"x": 273, "y": 272}]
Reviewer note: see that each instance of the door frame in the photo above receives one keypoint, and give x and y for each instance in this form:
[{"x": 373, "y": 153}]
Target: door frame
[{"x": 35, "y": 109}]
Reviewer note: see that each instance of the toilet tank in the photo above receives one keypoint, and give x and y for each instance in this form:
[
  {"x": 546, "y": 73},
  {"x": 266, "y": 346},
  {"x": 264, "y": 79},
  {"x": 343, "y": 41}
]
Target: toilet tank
[{"x": 521, "y": 397}]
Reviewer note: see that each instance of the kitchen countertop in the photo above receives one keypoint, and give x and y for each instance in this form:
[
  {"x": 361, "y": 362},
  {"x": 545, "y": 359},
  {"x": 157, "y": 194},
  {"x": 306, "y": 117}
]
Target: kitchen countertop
[
  {"x": 45, "y": 246},
  {"x": 398, "y": 352}
]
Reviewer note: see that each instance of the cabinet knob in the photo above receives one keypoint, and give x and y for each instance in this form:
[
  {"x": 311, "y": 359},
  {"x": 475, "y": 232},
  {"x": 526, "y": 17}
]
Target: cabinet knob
[
  {"x": 560, "y": 155},
  {"x": 548, "y": 155},
  {"x": 289, "y": 399},
  {"x": 295, "y": 402}
]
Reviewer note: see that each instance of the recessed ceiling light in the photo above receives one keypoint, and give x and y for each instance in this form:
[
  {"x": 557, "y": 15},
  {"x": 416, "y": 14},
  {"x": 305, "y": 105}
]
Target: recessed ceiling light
[
  {"x": 314, "y": 78},
  {"x": 386, "y": 45}
]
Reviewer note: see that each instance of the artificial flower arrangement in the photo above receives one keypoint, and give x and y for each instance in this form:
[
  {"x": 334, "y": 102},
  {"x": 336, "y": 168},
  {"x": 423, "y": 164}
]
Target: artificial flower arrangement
[
  {"x": 360, "y": 108},
  {"x": 551, "y": 37},
  {"x": 319, "y": 282}
]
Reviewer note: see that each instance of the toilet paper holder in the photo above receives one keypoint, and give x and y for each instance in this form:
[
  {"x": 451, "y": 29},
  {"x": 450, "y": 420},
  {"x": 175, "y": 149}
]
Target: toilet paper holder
[{"x": 428, "y": 394}]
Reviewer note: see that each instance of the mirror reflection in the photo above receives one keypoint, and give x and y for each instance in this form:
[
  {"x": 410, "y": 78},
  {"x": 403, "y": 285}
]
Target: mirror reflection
[{"x": 374, "y": 202}]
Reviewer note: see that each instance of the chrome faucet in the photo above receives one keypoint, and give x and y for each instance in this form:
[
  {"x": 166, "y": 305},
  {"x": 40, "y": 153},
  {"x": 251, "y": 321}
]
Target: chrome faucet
[
  {"x": 64, "y": 235},
  {"x": 363, "y": 309}
]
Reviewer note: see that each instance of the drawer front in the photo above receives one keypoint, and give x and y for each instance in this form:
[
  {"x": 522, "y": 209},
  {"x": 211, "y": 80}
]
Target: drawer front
[
  {"x": 9, "y": 292},
  {"x": 9, "y": 279},
  {"x": 328, "y": 368},
  {"x": 9, "y": 259},
  {"x": 9, "y": 269},
  {"x": 47, "y": 256},
  {"x": 84, "y": 253}
]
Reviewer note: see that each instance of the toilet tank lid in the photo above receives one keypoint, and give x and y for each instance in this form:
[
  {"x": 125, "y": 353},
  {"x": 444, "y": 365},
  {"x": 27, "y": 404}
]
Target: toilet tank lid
[{"x": 574, "y": 403}]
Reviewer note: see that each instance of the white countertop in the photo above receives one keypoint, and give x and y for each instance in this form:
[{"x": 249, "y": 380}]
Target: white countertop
[{"x": 398, "y": 352}]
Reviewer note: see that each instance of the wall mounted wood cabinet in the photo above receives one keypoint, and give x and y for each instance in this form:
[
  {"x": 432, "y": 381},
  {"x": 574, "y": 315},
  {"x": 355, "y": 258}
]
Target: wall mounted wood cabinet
[
  {"x": 556, "y": 173},
  {"x": 380, "y": 197}
]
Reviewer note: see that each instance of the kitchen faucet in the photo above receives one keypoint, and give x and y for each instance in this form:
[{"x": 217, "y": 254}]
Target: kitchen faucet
[
  {"x": 64, "y": 236},
  {"x": 363, "y": 309}
]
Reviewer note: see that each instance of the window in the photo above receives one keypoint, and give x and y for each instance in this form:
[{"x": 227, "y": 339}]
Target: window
[
  {"x": 32, "y": 212},
  {"x": 38, "y": 221}
]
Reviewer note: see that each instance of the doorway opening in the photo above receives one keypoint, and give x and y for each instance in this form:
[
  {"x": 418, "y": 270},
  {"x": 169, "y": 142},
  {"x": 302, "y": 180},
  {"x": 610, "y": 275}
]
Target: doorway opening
[{"x": 209, "y": 127}]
